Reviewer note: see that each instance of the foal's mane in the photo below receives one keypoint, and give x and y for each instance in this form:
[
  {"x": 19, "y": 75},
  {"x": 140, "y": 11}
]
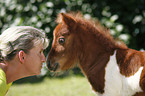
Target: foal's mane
[{"x": 101, "y": 33}]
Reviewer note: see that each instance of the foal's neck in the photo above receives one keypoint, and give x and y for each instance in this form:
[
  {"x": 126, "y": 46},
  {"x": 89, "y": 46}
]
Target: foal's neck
[
  {"x": 95, "y": 52},
  {"x": 94, "y": 61}
]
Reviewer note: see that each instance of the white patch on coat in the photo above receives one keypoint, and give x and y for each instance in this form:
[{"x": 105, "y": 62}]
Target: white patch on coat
[{"x": 118, "y": 85}]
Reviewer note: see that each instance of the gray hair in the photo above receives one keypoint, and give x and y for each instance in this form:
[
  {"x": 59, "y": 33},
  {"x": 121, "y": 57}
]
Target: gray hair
[{"x": 20, "y": 38}]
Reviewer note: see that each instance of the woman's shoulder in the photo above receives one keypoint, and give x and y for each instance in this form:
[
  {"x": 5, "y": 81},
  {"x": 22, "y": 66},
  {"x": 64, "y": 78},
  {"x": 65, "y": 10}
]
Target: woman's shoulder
[
  {"x": 3, "y": 85},
  {"x": 2, "y": 75}
]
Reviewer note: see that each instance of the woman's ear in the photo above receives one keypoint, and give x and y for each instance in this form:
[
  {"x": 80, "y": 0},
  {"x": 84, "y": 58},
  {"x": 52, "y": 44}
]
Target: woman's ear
[{"x": 21, "y": 56}]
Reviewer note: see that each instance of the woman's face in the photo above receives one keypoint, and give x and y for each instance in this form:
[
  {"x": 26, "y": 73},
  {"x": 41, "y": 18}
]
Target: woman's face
[{"x": 34, "y": 60}]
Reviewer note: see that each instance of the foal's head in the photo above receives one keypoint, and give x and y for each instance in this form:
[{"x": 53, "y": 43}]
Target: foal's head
[
  {"x": 64, "y": 51},
  {"x": 75, "y": 39}
]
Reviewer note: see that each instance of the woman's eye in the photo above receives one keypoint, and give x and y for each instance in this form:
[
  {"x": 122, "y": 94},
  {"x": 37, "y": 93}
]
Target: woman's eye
[{"x": 61, "y": 40}]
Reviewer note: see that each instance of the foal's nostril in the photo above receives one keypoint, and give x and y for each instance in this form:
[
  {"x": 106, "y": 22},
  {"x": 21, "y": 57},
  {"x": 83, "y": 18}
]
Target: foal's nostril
[{"x": 49, "y": 65}]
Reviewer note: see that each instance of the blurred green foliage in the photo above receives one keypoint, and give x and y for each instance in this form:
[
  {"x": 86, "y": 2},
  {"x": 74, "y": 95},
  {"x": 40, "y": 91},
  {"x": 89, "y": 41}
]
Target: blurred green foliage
[{"x": 126, "y": 19}]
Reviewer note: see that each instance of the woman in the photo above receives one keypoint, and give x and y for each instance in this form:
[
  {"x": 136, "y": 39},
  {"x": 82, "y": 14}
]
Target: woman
[{"x": 21, "y": 54}]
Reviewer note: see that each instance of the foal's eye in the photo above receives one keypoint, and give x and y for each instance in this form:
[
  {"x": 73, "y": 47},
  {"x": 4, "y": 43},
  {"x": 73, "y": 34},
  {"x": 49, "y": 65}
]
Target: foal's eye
[{"x": 61, "y": 40}]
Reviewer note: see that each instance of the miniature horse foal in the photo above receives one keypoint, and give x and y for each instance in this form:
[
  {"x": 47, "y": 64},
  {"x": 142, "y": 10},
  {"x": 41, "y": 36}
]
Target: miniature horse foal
[{"x": 111, "y": 68}]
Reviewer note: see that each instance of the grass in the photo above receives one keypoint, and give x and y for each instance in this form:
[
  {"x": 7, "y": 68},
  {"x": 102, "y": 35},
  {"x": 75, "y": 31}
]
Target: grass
[{"x": 68, "y": 86}]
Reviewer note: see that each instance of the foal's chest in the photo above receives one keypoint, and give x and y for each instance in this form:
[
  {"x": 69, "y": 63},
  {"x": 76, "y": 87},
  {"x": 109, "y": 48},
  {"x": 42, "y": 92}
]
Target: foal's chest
[{"x": 118, "y": 85}]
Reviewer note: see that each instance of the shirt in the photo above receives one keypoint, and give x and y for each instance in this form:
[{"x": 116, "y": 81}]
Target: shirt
[{"x": 3, "y": 84}]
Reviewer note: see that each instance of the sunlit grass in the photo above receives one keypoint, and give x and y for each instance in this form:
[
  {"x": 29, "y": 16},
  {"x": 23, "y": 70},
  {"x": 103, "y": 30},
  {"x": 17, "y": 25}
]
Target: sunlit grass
[{"x": 68, "y": 86}]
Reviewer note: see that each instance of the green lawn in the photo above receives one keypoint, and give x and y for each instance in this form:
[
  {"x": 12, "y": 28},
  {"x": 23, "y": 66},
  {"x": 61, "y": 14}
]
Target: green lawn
[{"x": 68, "y": 86}]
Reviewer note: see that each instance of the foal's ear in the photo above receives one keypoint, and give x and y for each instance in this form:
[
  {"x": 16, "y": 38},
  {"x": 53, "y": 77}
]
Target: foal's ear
[{"x": 69, "y": 21}]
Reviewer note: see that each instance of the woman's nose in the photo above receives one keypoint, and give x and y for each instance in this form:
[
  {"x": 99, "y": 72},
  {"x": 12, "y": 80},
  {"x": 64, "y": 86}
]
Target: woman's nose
[{"x": 43, "y": 59}]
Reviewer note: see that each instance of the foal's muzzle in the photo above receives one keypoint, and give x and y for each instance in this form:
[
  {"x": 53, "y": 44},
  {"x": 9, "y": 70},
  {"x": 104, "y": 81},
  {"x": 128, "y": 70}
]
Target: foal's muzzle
[{"x": 53, "y": 67}]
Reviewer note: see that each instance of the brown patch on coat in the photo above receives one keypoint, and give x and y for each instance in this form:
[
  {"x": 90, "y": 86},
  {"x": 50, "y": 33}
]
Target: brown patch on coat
[{"x": 129, "y": 61}]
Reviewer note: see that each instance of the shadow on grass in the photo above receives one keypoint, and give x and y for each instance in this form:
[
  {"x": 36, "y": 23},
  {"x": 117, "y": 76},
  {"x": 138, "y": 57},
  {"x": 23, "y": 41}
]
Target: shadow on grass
[{"x": 31, "y": 79}]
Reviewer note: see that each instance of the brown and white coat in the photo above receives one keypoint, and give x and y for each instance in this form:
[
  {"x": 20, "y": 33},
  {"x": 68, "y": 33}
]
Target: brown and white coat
[{"x": 111, "y": 68}]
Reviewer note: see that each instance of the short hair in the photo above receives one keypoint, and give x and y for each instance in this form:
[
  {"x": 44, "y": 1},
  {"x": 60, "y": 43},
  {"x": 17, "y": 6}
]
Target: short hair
[{"x": 19, "y": 38}]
